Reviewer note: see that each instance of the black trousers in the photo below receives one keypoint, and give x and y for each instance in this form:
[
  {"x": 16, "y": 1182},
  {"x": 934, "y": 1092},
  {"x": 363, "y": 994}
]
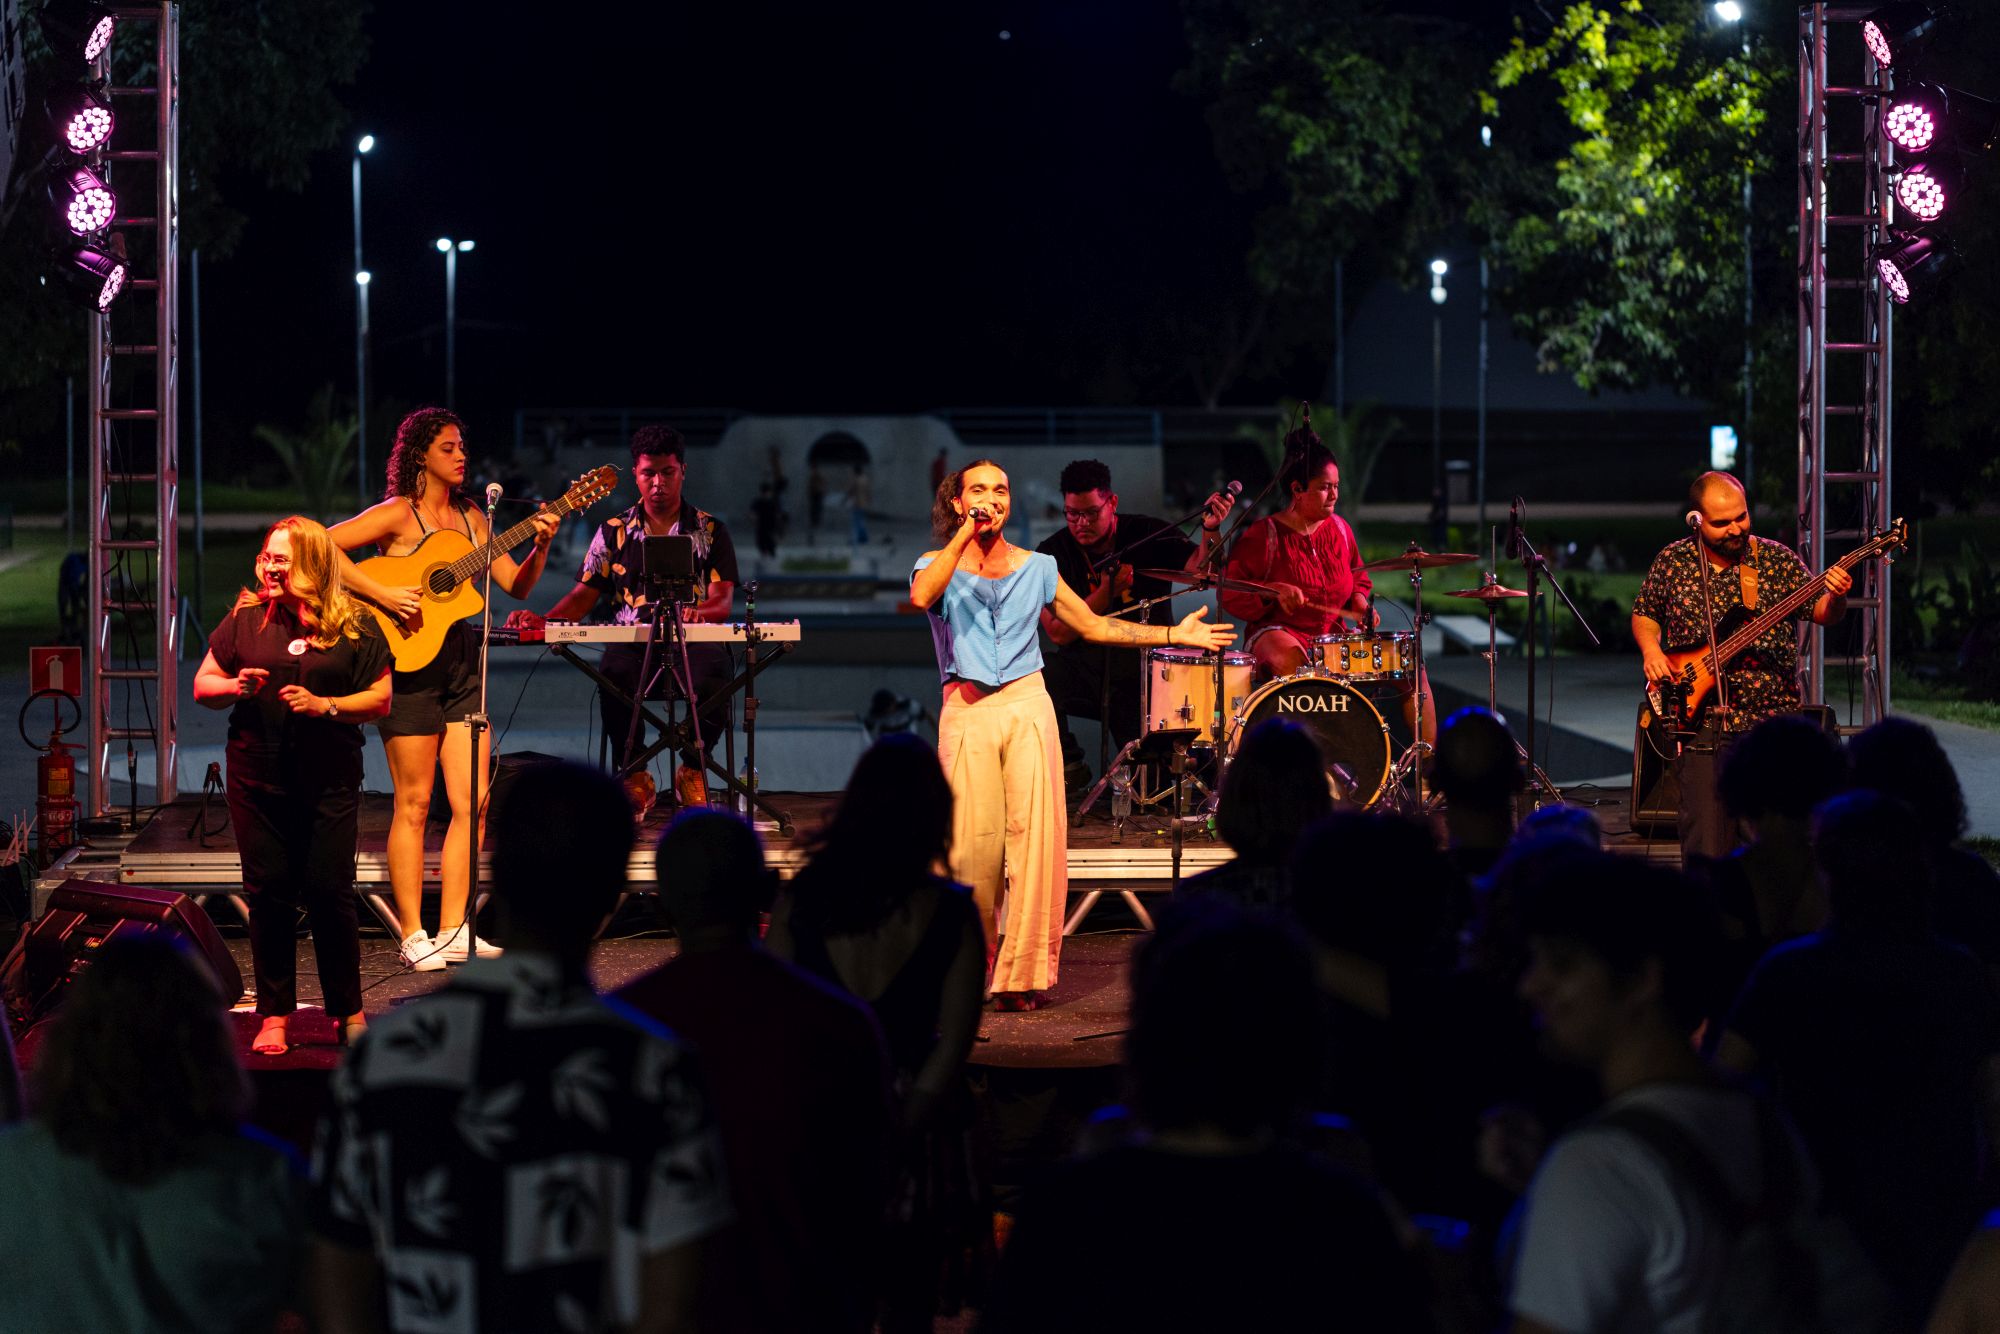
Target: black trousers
[
  {"x": 296, "y": 839},
  {"x": 710, "y": 667},
  {"x": 1074, "y": 675}
]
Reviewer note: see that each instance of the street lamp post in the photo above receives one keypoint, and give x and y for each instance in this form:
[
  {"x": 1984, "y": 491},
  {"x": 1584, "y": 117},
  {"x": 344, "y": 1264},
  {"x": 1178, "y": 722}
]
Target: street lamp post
[
  {"x": 1441, "y": 508},
  {"x": 1729, "y": 11},
  {"x": 450, "y": 249},
  {"x": 1479, "y": 482},
  {"x": 362, "y": 146}
]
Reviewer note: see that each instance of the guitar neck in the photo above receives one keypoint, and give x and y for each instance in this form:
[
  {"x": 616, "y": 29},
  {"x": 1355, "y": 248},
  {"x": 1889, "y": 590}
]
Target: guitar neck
[
  {"x": 477, "y": 559},
  {"x": 1784, "y": 607}
]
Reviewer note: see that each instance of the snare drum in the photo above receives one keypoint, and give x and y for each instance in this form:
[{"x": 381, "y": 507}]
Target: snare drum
[
  {"x": 1180, "y": 688},
  {"x": 1365, "y": 657},
  {"x": 1353, "y": 739}
]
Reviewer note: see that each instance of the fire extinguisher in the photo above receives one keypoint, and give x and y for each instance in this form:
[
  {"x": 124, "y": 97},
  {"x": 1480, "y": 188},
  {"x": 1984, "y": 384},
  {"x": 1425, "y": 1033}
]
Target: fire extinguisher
[{"x": 55, "y": 775}]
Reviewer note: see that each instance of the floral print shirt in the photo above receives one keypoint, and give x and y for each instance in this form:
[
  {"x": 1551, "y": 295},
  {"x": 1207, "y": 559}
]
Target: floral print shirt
[
  {"x": 611, "y": 566},
  {"x": 1763, "y": 680}
]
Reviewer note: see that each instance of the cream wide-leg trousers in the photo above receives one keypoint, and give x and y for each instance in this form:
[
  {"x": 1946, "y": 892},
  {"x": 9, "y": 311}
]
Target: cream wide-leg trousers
[{"x": 1010, "y": 830}]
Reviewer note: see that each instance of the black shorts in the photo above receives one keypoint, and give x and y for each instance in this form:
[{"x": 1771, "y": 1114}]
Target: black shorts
[{"x": 443, "y": 691}]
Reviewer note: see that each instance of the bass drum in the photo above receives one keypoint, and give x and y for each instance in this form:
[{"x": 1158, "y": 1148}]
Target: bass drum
[{"x": 1352, "y": 737}]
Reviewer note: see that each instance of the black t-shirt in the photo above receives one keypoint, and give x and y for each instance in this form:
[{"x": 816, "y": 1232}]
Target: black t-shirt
[
  {"x": 1140, "y": 1239},
  {"x": 1147, "y": 544},
  {"x": 264, "y": 733}
]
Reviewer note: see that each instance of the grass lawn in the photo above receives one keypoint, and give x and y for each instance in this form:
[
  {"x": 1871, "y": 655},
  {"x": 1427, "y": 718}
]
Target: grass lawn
[{"x": 28, "y": 586}]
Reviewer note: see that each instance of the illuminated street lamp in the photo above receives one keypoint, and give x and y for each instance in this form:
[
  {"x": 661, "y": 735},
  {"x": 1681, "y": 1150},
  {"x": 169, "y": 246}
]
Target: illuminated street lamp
[{"x": 450, "y": 250}]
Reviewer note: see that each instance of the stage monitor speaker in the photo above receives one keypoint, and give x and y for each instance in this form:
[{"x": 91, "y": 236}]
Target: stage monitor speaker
[
  {"x": 1656, "y": 788},
  {"x": 83, "y": 914}
]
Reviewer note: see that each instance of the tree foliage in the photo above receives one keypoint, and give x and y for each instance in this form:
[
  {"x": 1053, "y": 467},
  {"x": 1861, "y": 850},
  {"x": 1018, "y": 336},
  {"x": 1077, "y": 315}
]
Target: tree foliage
[
  {"x": 1622, "y": 256},
  {"x": 1348, "y": 118},
  {"x": 319, "y": 458}
]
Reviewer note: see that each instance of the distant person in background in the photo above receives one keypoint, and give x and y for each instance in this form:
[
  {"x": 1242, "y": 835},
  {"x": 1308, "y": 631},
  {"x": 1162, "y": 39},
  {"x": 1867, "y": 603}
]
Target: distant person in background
[
  {"x": 871, "y": 914},
  {"x": 1211, "y": 1217},
  {"x": 300, "y": 666},
  {"x": 136, "y": 1200},
  {"x": 764, "y": 512},
  {"x": 1273, "y": 790},
  {"x": 815, "y": 501},
  {"x": 859, "y": 495},
  {"x": 1902, "y": 758},
  {"x": 800, "y": 1082}
]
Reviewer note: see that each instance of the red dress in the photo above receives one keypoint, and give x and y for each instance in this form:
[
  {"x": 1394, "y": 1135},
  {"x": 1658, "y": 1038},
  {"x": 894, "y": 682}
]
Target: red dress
[{"x": 1325, "y": 564}]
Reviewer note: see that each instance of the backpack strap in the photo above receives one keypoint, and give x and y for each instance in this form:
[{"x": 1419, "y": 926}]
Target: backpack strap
[{"x": 1689, "y": 1161}]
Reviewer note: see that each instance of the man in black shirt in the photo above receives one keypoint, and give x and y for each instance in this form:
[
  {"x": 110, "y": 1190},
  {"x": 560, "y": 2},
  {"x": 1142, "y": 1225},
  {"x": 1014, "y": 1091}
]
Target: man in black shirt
[{"x": 1073, "y": 671}]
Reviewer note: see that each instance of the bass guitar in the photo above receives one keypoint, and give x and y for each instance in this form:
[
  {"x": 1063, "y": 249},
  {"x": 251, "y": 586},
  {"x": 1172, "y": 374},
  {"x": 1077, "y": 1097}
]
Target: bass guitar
[
  {"x": 1677, "y": 703},
  {"x": 445, "y": 568}
]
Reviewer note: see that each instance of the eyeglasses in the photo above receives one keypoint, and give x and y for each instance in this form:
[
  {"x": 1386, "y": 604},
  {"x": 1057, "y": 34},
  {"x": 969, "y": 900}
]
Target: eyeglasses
[
  {"x": 1077, "y": 516},
  {"x": 274, "y": 562}
]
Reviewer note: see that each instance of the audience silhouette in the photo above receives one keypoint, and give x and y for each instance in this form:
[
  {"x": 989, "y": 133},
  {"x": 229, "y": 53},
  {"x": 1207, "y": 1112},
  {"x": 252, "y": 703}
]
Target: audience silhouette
[{"x": 1274, "y": 788}]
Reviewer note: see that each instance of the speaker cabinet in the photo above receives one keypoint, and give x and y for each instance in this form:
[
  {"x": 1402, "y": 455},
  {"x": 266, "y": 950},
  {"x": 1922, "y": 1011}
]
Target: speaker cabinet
[{"x": 83, "y": 914}]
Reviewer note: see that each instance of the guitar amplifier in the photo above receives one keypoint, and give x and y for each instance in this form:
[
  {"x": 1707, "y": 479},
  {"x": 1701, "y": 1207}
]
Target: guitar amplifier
[{"x": 1656, "y": 782}]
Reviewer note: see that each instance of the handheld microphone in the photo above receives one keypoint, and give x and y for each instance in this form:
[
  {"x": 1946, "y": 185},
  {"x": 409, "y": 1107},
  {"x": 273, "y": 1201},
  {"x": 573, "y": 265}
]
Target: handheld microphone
[
  {"x": 493, "y": 493},
  {"x": 1235, "y": 489},
  {"x": 980, "y": 514}
]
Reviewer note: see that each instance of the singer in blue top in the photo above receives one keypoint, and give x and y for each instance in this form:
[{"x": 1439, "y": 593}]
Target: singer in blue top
[{"x": 997, "y": 731}]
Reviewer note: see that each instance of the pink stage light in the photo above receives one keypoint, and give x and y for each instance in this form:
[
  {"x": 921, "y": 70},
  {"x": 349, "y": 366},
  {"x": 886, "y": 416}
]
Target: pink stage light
[
  {"x": 100, "y": 37},
  {"x": 114, "y": 283},
  {"x": 91, "y": 203},
  {"x": 1921, "y": 194},
  {"x": 88, "y": 127},
  {"x": 1892, "y": 277},
  {"x": 1878, "y": 45},
  {"x": 1910, "y": 126}
]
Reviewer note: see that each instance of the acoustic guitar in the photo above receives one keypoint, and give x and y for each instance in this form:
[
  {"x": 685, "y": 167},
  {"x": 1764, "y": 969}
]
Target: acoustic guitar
[
  {"x": 446, "y": 566},
  {"x": 1678, "y": 703}
]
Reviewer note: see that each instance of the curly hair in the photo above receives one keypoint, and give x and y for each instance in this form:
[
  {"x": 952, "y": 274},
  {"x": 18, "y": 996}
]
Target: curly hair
[
  {"x": 316, "y": 578},
  {"x": 139, "y": 1062},
  {"x": 414, "y": 435},
  {"x": 1084, "y": 476},
  {"x": 945, "y": 519},
  {"x": 658, "y": 441}
]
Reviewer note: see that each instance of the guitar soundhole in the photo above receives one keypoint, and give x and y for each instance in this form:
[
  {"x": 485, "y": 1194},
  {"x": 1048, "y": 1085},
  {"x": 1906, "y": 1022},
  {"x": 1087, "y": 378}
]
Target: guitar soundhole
[{"x": 439, "y": 582}]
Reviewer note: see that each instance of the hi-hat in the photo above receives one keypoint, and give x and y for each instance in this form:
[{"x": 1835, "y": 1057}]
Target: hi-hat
[
  {"x": 1489, "y": 592},
  {"x": 1418, "y": 559},
  {"x": 1211, "y": 581}
]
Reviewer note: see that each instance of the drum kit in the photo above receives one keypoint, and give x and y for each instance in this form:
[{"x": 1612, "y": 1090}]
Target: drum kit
[{"x": 1328, "y": 697}]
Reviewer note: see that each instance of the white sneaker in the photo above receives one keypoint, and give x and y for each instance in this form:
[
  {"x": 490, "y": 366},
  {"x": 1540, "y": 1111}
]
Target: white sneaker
[
  {"x": 461, "y": 942},
  {"x": 419, "y": 953}
]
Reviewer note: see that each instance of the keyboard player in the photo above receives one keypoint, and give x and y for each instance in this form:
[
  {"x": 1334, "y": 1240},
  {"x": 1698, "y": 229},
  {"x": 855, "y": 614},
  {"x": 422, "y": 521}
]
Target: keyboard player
[{"x": 611, "y": 576}]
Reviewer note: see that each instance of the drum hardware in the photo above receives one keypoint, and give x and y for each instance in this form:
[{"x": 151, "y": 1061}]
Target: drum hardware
[
  {"x": 1416, "y": 560},
  {"x": 1352, "y": 736},
  {"x": 1492, "y": 592},
  {"x": 1537, "y": 566}
]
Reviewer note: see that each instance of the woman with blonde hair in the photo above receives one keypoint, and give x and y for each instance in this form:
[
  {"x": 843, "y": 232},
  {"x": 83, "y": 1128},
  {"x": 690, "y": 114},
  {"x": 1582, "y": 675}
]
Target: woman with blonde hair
[{"x": 301, "y": 665}]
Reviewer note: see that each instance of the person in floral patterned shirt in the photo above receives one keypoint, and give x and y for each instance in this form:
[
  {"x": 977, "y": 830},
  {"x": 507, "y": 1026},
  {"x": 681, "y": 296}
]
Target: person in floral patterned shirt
[
  {"x": 611, "y": 574},
  {"x": 1745, "y": 571}
]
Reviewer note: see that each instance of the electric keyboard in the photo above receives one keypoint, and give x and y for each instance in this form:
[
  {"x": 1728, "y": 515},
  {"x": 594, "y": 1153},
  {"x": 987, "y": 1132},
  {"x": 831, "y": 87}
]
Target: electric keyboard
[{"x": 697, "y": 632}]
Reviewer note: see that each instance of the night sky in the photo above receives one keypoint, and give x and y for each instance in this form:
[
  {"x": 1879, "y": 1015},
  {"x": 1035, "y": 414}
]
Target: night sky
[{"x": 768, "y": 207}]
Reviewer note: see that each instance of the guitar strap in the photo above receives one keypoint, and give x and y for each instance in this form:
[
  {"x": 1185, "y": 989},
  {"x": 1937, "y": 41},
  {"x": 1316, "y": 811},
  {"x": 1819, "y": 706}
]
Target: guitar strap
[{"x": 1747, "y": 573}]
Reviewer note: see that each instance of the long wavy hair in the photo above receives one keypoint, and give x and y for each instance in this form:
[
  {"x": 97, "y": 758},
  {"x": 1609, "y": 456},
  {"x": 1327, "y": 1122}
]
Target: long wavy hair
[
  {"x": 893, "y": 825},
  {"x": 139, "y": 1063},
  {"x": 413, "y": 440},
  {"x": 316, "y": 579},
  {"x": 944, "y": 519}
]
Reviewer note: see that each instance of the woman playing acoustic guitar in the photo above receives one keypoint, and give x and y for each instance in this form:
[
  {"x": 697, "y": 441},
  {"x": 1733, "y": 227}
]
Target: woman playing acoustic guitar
[{"x": 427, "y": 712}]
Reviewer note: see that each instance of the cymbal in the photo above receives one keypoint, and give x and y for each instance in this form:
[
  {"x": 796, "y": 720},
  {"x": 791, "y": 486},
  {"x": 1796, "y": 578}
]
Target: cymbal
[
  {"x": 1212, "y": 580},
  {"x": 1489, "y": 592},
  {"x": 1418, "y": 559}
]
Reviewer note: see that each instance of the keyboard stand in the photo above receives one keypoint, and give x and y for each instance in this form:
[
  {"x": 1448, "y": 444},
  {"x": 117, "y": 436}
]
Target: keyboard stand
[{"x": 671, "y": 731}]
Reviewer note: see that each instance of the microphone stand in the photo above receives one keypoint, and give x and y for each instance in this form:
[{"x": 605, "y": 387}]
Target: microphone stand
[
  {"x": 475, "y": 731},
  {"x": 1720, "y": 711},
  {"x": 1537, "y": 567}
]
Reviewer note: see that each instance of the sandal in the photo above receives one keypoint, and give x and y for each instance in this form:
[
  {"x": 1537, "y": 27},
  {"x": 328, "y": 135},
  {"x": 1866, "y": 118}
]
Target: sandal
[
  {"x": 348, "y": 1031},
  {"x": 1016, "y": 1002},
  {"x": 270, "y": 1039}
]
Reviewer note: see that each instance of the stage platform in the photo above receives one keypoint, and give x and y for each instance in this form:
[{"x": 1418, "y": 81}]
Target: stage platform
[{"x": 178, "y": 851}]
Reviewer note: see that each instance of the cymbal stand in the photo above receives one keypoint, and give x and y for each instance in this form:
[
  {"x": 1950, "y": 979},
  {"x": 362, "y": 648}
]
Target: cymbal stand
[
  {"x": 1537, "y": 566},
  {"x": 1536, "y": 778},
  {"x": 1413, "y": 758},
  {"x": 1125, "y": 753}
]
